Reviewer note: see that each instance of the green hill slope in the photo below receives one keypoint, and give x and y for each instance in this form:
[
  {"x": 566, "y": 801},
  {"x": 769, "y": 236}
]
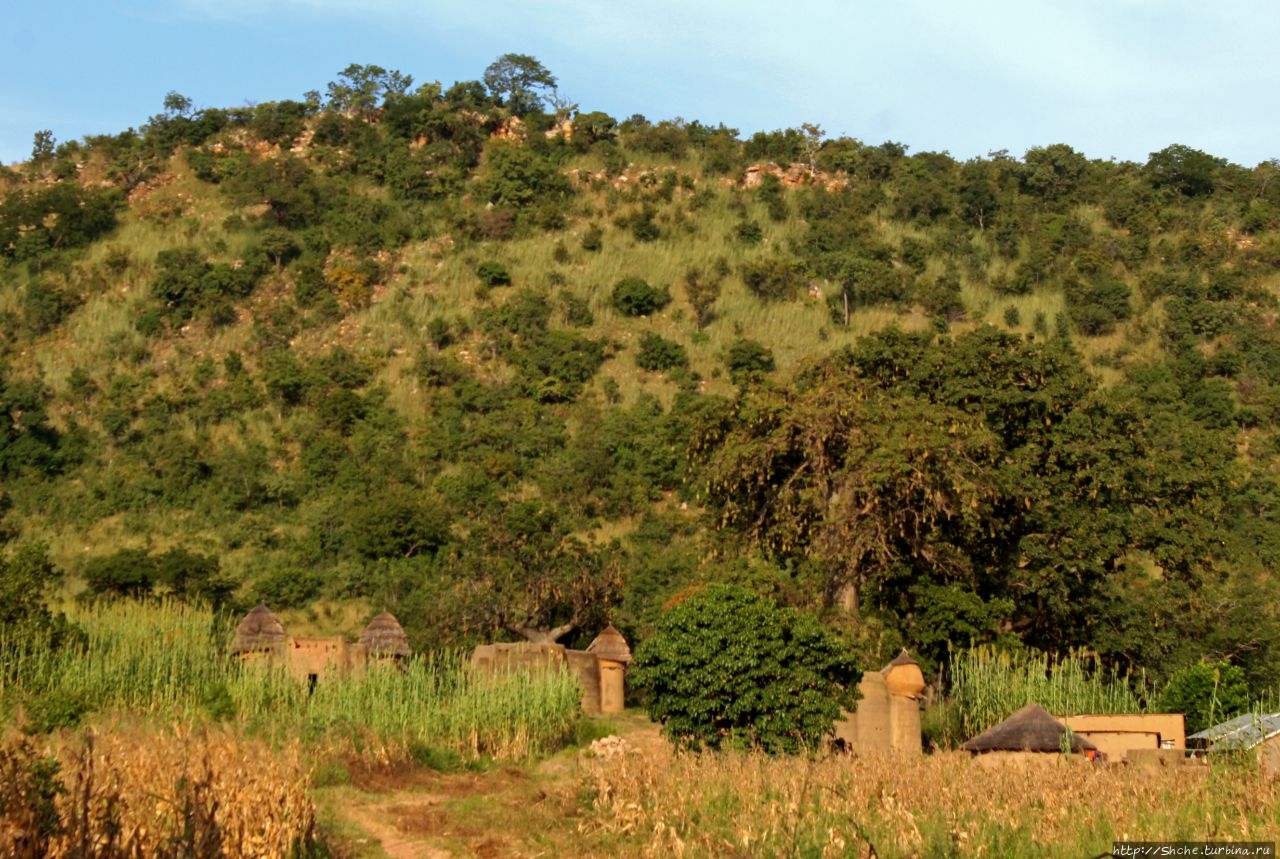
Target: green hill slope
[{"x": 499, "y": 368}]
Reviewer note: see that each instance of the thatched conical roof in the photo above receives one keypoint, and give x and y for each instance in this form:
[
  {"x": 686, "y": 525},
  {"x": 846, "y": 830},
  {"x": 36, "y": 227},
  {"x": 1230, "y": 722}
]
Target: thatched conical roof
[
  {"x": 260, "y": 630},
  {"x": 1031, "y": 729},
  {"x": 610, "y": 644},
  {"x": 902, "y": 658},
  {"x": 385, "y": 637}
]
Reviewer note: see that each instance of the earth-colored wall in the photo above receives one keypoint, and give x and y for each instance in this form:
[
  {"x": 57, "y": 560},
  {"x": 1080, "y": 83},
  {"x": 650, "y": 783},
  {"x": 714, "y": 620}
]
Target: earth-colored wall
[
  {"x": 318, "y": 657},
  {"x": 1116, "y": 734},
  {"x": 883, "y": 723},
  {"x": 612, "y": 686},
  {"x": 1269, "y": 756},
  {"x": 597, "y": 681},
  {"x": 586, "y": 667}
]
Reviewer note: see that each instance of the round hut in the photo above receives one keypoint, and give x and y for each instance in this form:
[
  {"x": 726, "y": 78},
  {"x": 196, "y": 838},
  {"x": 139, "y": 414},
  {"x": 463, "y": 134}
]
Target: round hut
[
  {"x": 260, "y": 637},
  {"x": 613, "y": 654},
  {"x": 1031, "y": 731},
  {"x": 384, "y": 638}
]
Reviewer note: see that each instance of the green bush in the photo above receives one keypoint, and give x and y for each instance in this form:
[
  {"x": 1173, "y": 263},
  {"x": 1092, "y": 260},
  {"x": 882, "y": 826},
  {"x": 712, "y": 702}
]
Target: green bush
[
  {"x": 440, "y": 332},
  {"x": 633, "y": 296},
  {"x": 749, "y": 232},
  {"x": 65, "y": 215},
  {"x": 57, "y": 708},
  {"x": 774, "y": 279},
  {"x": 730, "y": 667},
  {"x": 748, "y": 358},
  {"x": 643, "y": 227},
  {"x": 493, "y": 273},
  {"x": 657, "y": 353},
  {"x": 1206, "y": 693},
  {"x": 45, "y": 306},
  {"x": 593, "y": 238},
  {"x": 577, "y": 310}
]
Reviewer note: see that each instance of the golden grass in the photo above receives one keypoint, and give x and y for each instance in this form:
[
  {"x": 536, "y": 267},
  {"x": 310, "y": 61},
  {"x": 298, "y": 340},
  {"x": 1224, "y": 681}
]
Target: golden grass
[
  {"x": 737, "y": 804},
  {"x": 132, "y": 792}
]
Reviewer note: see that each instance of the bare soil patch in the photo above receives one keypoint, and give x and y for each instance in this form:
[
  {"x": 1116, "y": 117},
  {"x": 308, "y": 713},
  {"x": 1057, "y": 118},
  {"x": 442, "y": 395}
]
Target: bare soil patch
[{"x": 411, "y": 812}]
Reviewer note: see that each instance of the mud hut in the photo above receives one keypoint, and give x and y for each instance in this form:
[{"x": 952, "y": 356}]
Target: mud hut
[
  {"x": 1118, "y": 734},
  {"x": 1030, "y": 731},
  {"x": 904, "y": 681},
  {"x": 260, "y": 637},
  {"x": 887, "y": 718},
  {"x": 384, "y": 638},
  {"x": 613, "y": 654}
]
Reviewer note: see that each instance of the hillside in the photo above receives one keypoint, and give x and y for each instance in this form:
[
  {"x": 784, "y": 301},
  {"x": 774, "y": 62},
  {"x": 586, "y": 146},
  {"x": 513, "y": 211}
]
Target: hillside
[{"x": 500, "y": 368}]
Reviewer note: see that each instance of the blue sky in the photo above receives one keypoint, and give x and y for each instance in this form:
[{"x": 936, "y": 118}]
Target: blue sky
[{"x": 1113, "y": 78}]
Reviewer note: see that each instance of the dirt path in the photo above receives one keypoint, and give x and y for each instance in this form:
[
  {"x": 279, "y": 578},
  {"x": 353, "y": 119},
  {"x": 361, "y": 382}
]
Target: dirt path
[
  {"x": 505, "y": 812},
  {"x": 375, "y": 820}
]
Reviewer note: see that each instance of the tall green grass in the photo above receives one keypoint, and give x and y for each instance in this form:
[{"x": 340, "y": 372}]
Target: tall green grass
[
  {"x": 989, "y": 685},
  {"x": 170, "y": 661}
]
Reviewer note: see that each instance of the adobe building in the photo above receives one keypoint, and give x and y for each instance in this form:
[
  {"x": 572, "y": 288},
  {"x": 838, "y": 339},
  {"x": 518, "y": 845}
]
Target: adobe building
[
  {"x": 261, "y": 639},
  {"x": 1118, "y": 734},
  {"x": 1029, "y": 735},
  {"x": 600, "y": 669},
  {"x": 610, "y": 648},
  {"x": 887, "y": 719}
]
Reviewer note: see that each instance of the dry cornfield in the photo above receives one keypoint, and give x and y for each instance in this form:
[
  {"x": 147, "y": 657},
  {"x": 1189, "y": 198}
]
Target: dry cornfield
[
  {"x": 737, "y": 804},
  {"x": 134, "y": 793}
]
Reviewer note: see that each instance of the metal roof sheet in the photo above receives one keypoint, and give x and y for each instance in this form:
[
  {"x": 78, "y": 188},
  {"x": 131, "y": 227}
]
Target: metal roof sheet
[{"x": 1242, "y": 732}]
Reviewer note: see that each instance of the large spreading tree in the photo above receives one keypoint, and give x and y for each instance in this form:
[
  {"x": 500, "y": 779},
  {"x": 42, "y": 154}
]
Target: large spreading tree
[{"x": 520, "y": 82}]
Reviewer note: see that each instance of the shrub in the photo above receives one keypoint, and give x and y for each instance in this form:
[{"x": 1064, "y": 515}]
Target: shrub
[
  {"x": 593, "y": 238},
  {"x": 940, "y": 298},
  {"x": 643, "y": 227},
  {"x": 748, "y": 358},
  {"x": 57, "y": 217},
  {"x": 288, "y": 588},
  {"x": 577, "y": 310},
  {"x": 1207, "y": 693},
  {"x": 773, "y": 279},
  {"x": 703, "y": 291},
  {"x": 439, "y": 332},
  {"x": 633, "y": 296},
  {"x": 657, "y": 353},
  {"x": 57, "y": 708},
  {"x": 45, "y": 306},
  {"x": 749, "y": 232},
  {"x": 493, "y": 273},
  {"x": 728, "y": 666},
  {"x": 351, "y": 288}
]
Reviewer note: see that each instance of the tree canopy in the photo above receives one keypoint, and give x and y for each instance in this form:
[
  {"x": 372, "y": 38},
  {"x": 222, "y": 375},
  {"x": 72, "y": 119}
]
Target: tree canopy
[
  {"x": 520, "y": 82},
  {"x": 726, "y": 667}
]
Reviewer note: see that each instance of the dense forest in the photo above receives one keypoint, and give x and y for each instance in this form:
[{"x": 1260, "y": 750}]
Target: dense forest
[{"x": 511, "y": 367}]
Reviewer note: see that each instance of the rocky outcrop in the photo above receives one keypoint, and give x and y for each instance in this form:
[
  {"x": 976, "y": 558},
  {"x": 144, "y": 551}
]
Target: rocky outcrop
[{"x": 793, "y": 176}]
